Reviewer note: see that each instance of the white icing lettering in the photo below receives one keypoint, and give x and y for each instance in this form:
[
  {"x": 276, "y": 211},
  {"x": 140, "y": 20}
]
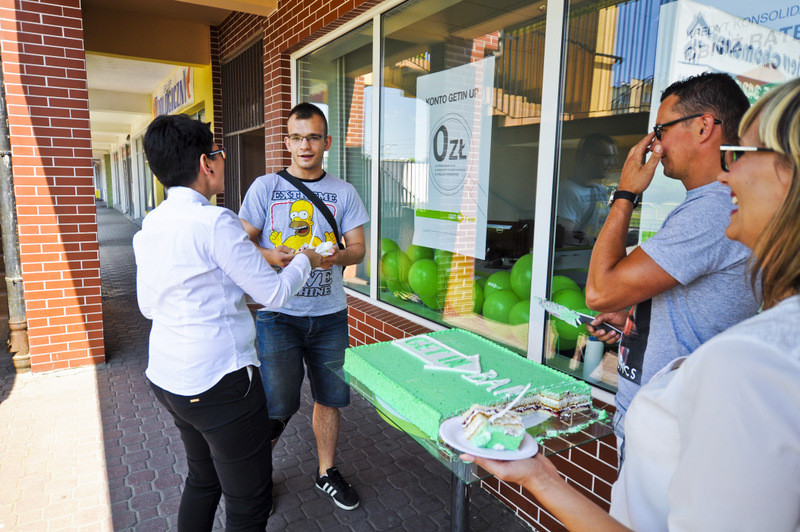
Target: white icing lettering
[
  {"x": 453, "y": 361},
  {"x": 432, "y": 349},
  {"x": 414, "y": 342},
  {"x": 496, "y": 384},
  {"x": 480, "y": 377}
]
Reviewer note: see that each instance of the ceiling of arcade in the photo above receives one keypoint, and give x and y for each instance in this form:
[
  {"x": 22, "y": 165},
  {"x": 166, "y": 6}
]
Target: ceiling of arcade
[{"x": 132, "y": 46}]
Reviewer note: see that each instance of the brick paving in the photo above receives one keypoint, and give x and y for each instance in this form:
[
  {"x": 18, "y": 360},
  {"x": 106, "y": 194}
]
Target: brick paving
[{"x": 91, "y": 448}]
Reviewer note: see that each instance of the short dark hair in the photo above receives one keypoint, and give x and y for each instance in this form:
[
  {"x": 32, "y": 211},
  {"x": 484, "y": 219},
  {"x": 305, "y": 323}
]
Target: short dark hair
[
  {"x": 305, "y": 110},
  {"x": 591, "y": 143},
  {"x": 714, "y": 93},
  {"x": 173, "y": 145}
]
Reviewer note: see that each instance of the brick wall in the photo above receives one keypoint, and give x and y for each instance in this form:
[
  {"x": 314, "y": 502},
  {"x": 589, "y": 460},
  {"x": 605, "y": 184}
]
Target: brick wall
[
  {"x": 45, "y": 80},
  {"x": 216, "y": 92},
  {"x": 292, "y": 26}
]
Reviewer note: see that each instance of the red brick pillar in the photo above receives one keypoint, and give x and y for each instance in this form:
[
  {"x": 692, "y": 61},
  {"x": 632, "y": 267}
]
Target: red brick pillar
[{"x": 48, "y": 112}]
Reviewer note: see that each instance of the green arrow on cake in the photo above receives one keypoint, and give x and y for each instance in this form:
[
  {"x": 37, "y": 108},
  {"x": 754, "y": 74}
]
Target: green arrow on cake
[{"x": 439, "y": 356}]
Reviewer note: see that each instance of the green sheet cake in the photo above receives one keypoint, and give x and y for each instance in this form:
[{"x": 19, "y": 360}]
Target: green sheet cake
[{"x": 433, "y": 377}]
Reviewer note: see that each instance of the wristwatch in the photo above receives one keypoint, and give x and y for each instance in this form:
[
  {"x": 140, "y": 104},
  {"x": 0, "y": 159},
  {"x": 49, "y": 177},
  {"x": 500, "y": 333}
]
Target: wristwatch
[{"x": 624, "y": 194}]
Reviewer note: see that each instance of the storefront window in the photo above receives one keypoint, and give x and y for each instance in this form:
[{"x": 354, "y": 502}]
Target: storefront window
[
  {"x": 460, "y": 113},
  {"x": 618, "y": 58},
  {"x": 338, "y": 78}
]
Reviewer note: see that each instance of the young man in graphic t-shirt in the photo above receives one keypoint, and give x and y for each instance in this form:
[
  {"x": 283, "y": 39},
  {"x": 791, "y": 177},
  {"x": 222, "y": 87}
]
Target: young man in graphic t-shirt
[
  {"x": 311, "y": 329},
  {"x": 687, "y": 282}
]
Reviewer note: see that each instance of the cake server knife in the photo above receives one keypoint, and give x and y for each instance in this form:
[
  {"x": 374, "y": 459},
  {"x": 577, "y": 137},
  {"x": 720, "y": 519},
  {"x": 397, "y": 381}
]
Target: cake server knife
[{"x": 573, "y": 317}]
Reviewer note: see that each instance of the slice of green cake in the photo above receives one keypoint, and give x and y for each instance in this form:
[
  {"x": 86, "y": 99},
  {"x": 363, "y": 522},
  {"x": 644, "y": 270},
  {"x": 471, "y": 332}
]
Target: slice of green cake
[{"x": 483, "y": 427}]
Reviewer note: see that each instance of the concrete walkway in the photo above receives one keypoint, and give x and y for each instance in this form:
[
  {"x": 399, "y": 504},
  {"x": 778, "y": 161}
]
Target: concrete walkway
[{"x": 91, "y": 449}]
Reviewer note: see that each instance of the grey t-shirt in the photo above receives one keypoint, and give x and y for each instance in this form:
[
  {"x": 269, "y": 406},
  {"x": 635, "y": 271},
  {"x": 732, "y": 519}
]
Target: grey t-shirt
[
  {"x": 286, "y": 217},
  {"x": 714, "y": 291}
]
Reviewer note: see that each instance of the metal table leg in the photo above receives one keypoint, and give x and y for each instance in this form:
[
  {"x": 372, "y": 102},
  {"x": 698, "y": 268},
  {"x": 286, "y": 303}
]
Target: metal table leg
[{"x": 459, "y": 505}]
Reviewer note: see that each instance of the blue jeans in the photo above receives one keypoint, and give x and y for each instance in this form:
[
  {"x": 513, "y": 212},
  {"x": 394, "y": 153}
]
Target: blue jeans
[
  {"x": 285, "y": 343},
  {"x": 228, "y": 451}
]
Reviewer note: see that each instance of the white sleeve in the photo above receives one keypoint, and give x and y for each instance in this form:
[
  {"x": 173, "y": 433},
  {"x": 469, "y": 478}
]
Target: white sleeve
[
  {"x": 739, "y": 422},
  {"x": 240, "y": 260},
  {"x": 144, "y": 294}
]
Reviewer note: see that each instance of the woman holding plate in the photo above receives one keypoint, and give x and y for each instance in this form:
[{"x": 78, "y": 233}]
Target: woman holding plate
[{"x": 713, "y": 441}]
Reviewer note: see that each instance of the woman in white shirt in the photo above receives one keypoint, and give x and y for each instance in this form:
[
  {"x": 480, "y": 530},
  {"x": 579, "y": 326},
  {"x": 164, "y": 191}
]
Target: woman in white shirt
[
  {"x": 194, "y": 263},
  {"x": 713, "y": 441}
]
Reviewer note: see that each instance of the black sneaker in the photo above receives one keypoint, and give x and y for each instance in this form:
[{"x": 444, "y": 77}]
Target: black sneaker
[{"x": 337, "y": 487}]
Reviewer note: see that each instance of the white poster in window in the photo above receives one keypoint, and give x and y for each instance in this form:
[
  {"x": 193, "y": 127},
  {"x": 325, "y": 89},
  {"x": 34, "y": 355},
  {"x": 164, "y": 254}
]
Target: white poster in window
[
  {"x": 457, "y": 116},
  {"x": 695, "y": 38}
]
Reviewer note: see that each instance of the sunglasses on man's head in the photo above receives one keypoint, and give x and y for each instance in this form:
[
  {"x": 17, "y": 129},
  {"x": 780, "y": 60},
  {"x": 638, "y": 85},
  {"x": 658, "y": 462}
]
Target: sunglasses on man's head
[
  {"x": 730, "y": 154},
  {"x": 658, "y": 128}
]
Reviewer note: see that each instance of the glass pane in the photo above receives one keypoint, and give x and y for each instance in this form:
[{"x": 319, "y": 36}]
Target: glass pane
[
  {"x": 338, "y": 79},
  {"x": 460, "y": 113},
  {"x": 619, "y": 58}
]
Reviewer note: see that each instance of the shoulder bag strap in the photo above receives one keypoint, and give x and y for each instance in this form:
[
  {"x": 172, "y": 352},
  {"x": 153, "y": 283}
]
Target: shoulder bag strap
[{"x": 313, "y": 198}]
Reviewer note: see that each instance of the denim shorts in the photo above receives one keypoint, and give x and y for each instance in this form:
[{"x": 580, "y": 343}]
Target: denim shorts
[{"x": 286, "y": 343}]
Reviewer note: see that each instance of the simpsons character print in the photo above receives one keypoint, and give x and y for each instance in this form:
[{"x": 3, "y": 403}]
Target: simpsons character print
[{"x": 297, "y": 224}]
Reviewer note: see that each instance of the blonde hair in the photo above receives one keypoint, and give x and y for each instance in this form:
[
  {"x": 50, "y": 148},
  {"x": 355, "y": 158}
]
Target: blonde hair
[{"x": 777, "y": 253}]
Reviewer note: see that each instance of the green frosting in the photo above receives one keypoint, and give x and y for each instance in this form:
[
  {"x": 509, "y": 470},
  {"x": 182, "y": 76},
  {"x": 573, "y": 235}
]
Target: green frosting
[
  {"x": 492, "y": 437},
  {"x": 426, "y": 397}
]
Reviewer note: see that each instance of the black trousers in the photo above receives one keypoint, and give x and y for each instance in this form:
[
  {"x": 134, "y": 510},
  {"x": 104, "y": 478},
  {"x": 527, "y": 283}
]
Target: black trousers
[{"x": 226, "y": 434}]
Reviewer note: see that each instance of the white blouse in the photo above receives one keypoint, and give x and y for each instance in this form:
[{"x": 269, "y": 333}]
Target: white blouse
[
  {"x": 715, "y": 444},
  {"x": 194, "y": 263}
]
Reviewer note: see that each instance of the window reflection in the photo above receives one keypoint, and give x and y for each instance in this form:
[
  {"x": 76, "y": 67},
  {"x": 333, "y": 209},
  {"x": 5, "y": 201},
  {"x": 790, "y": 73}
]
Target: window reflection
[
  {"x": 461, "y": 107},
  {"x": 338, "y": 79}
]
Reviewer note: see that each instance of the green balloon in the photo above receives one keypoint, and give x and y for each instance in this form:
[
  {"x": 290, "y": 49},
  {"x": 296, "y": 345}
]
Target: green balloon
[
  {"x": 568, "y": 333},
  {"x": 416, "y": 253},
  {"x": 423, "y": 276},
  {"x": 497, "y": 281},
  {"x": 368, "y": 270},
  {"x": 560, "y": 282},
  {"x": 572, "y": 299},
  {"x": 521, "y": 276},
  {"x": 399, "y": 289},
  {"x": 395, "y": 265},
  {"x": 520, "y": 313},
  {"x": 477, "y": 297},
  {"x": 481, "y": 282},
  {"x": 387, "y": 245},
  {"x": 436, "y": 301},
  {"x": 498, "y": 305}
]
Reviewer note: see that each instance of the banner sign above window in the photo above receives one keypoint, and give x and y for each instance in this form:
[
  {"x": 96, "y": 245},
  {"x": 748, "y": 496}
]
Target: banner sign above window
[
  {"x": 175, "y": 93},
  {"x": 457, "y": 112}
]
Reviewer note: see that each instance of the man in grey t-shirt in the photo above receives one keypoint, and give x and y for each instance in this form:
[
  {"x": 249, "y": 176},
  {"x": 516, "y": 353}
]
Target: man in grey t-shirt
[
  {"x": 311, "y": 330},
  {"x": 688, "y": 282}
]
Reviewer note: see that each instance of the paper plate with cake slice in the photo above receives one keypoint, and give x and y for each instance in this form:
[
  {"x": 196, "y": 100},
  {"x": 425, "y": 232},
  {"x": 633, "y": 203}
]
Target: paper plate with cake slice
[{"x": 489, "y": 432}]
